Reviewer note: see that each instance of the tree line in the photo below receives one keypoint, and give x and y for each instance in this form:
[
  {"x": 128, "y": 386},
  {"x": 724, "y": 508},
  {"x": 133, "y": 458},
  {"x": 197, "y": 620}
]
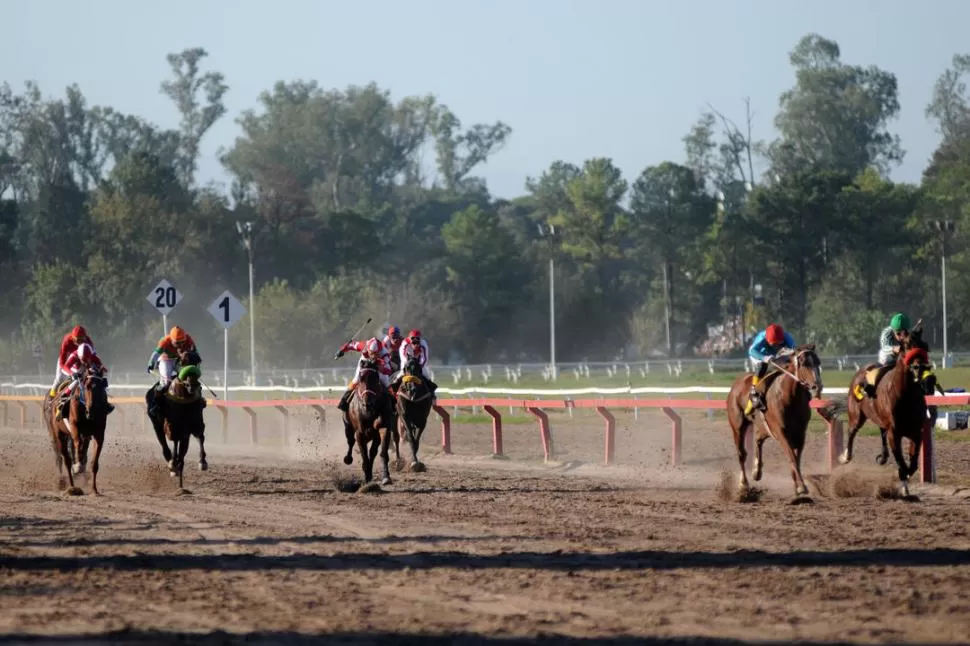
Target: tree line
[{"x": 96, "y": 206}]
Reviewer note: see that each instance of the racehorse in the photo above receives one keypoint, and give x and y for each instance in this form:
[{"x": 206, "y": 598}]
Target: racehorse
[
  {"x": 898, "y": 409},
  {"x": 181, "y": 414},
  {"x": 788, "y": 411},
  {"x": 369, "y": 420},
  {"x": 414, "y": 403},
  {"x": 75, "y": 422}
]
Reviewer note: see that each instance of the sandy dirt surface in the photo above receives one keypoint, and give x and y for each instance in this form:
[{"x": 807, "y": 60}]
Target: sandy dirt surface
[{"x": 264, "y": 548}]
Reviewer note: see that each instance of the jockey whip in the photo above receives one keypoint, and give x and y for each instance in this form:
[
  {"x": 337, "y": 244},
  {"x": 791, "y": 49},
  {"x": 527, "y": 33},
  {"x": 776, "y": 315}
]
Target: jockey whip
[
  {"x": 214, "y": 396},
  {"x": 355, "y": 334}
]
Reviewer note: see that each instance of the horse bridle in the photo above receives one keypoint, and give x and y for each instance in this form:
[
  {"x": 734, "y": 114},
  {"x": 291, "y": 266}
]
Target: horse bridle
[
  {"x": 816, "y": 389},
  {"x": 367, "y": 390}
]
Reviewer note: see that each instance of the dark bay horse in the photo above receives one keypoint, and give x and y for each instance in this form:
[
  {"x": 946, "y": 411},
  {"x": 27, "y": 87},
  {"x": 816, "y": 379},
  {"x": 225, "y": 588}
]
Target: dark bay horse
[
  {"x": 180, "y": 409},
  {"x": 788, "y": 411},
  {"x": 75, "y": 423},
  {"x": 369, "y": 420},
  {"x": 898, "y": 409},
  {"x": 414, "y": 402}
]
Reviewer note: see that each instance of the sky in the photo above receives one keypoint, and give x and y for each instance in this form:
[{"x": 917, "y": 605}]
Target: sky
[{"x": 599, "y": 78}]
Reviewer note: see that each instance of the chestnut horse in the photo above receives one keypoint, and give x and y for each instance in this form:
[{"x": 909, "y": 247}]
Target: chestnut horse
[
  {"x": 86, "y": 418},
  {"x": 787, "y": 412},
  {"x": 369, "y": 420},
  {"x": 898, "y": 409},
  {"x": 414, "y": 403}
]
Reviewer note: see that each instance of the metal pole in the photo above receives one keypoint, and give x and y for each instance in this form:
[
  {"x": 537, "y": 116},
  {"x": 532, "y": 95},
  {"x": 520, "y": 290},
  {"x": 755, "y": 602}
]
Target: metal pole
[
  {"x": 666, "y": 308},
  {"x": 225, "y": 365},
  {"x": 552, "y": 317},
  {"x": 164, "y": 324},
  {"x": 252, "y": 320},
  {"x": 943, "y": 272}
]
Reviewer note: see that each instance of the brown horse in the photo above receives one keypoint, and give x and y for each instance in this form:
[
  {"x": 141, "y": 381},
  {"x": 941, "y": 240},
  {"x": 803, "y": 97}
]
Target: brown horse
[
  {"x": 369, "y": 420},
  {"x": 74, "y": 423},
  {"x": 898, "y": 409},
  {"x": 787, "y": 412},
  {"x": 414, "y": 403}
]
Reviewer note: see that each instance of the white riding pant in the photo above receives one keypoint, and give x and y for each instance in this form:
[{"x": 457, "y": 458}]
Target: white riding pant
[
  {"x": 166, "y": 370},
  {"x": 59, "y": 372}
]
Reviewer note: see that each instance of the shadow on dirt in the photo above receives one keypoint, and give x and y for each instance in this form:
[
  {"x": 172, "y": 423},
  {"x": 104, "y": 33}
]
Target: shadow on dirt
[
  {"x": 402, "y": 639},
  {"x": 559, "y": 560}
]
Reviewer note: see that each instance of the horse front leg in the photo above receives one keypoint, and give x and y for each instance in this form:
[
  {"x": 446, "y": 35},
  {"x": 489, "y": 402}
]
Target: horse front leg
[
  {"x": 76, "y": 467},
  {"x": 349, "y": 433},
  {"x": 895, "y": 444},
  {"x": 203, "y": 463},
  {"x": 366, "y": 461},
  {"x": 883, "y": 457},
  {"x": 65, "y": 453},
  {"x": 740, "y": 434},
  {"x": 384, "y": 450},
  {"x": 914, "y": 451},
  {"x": 856, "y": 419},
  {"x": 759, "y": 464},
  {"x": 182, "y": 448},
  {"x": 96, "y": 461},
  {"x": 159, "y": 426}
]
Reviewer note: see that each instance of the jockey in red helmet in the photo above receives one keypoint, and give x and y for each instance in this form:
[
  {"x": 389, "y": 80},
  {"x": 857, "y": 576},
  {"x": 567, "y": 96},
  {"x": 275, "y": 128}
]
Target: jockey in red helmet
[
  {"x": 69, "y": 344},
  {"x": 414, "y": 347},
  {"x": 371, "y": 350},
  {"x": 766, "y": 347},
  {"x": 392, "y": 343}
]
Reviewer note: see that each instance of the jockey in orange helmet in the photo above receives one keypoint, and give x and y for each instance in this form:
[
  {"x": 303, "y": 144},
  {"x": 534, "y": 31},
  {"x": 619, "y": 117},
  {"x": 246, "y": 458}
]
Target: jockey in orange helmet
[
  {"x": 766, "y": 347},
  {"x": 371, "y": 350},
  {"x": 166, "y": 355}
]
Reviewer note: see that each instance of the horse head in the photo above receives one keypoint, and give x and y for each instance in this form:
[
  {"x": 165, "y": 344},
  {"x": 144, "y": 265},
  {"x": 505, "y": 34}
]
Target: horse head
[
  {"x": 807, "y": 368},
  {"x": 188, "y": 381},
  {"x": 917, "y": 362},
  {"x": 368, "y": 385},
  {"x": 413, "y": 368},
  {"x": 95, "y": 388},
  {"x": 189, "y": 358}
]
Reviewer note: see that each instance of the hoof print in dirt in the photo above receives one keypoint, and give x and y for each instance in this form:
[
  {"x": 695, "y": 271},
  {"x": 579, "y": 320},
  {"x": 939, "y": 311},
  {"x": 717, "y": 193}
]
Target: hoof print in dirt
[
  {"x": 346, "y": 484},
  {"x": 749, "y": 495},
  {"x": 183, "y": 492},
  {"x": 73, "y": 491}
]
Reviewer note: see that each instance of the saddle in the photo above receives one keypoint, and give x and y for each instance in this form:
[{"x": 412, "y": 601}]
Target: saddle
[
  {"x": 874, "y": 372},
  {"x": 62, "y": 399}
]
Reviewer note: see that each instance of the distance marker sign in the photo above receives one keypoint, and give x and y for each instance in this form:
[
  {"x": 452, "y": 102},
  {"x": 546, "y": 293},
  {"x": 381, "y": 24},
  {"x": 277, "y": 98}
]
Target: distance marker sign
[
  {"x": 164, "y": 297},
  {"x": 227, "y": 309}
]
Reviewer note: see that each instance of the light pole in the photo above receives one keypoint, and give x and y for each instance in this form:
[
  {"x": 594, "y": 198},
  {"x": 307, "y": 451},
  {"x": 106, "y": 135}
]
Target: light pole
[
  {"x": 666, "y": 277},
  {"x": 550, "y": 232},
  {"x": 245, "y": 230},
  {"x": 944, "y": 227}
]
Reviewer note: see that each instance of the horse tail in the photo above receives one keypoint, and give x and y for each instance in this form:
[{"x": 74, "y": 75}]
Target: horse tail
[{"x": 836, "y": 407}]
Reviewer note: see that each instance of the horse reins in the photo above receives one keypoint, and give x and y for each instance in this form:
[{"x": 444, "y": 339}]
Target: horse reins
[{"x": 792, "y": 375}]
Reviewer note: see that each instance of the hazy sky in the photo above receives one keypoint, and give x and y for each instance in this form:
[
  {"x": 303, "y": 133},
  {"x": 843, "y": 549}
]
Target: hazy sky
[{"x": 616, "y": 78}]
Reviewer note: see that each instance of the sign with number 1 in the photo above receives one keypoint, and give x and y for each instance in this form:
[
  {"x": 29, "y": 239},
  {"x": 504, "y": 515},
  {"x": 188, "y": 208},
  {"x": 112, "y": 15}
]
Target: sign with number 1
[{"x": 227, "y": 309}]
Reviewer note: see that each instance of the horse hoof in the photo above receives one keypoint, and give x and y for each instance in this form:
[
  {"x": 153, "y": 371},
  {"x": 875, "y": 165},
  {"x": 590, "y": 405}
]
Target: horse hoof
[
  {"x": 203, "y": 466},
  {"x": 417, "y": 467},
  {"x": 171, "y": 473},
  {"x": 386, "y": 481},
  {"x": 844, "y": 459},
  {"x": 77, "y": 469},
  {"x": 348, "y": 459},
  {"x": 881, "y": 460},
  {"x": 74, "y": 491}
]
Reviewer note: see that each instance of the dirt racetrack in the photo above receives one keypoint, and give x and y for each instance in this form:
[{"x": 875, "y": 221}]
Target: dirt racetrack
[{"x": 264, "y": 548}]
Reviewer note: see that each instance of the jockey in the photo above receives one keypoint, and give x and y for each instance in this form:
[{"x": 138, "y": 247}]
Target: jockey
[
  {"x": 370, "y": 350},
  {"x": 79, "y": 361},
  {"x": 891, "y": 339},
  {"x": 392, "y": 343},
  {"x": 890, "y": 345},
  {"x": 166, "y": 354},
  {"x": 69, "y": 344},
  {"x": 415, "y": 347},
  {"x": 767, "y": 346}
]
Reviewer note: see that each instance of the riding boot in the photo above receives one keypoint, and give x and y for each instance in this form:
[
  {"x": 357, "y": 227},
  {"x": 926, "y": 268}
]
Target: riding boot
[
  {"x": 344, "y": 404},
  {"x": 754, "y": 397}
]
